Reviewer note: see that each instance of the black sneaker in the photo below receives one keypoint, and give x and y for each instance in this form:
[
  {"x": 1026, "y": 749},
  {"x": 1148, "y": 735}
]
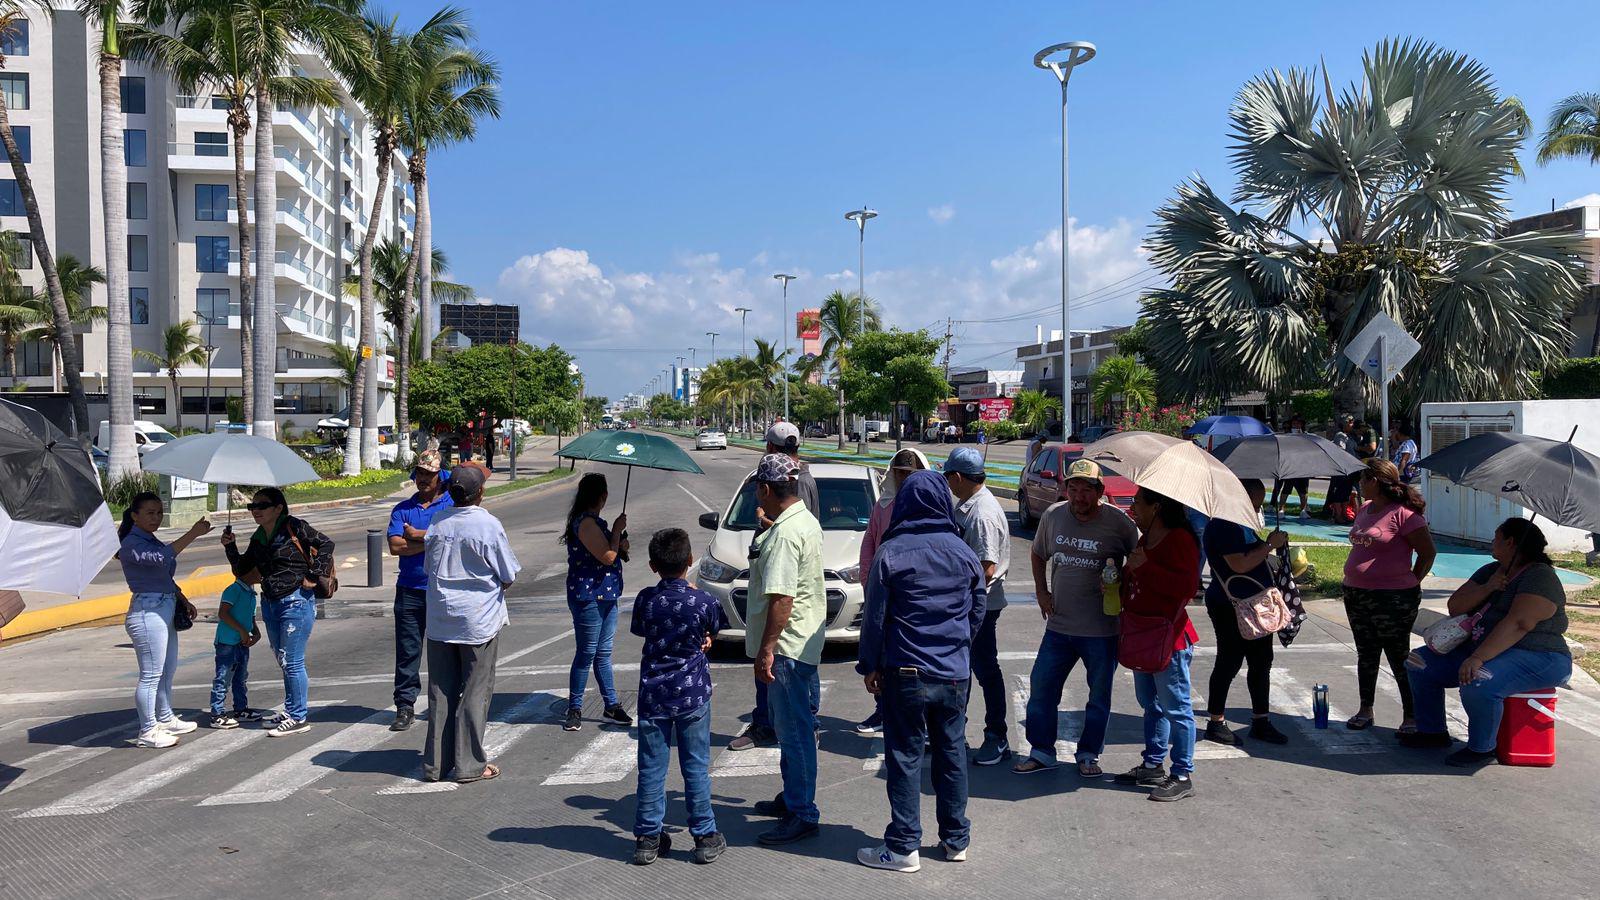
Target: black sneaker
[
  {"x": 223, "y": 720},
  {"x": 1423, "y": 741},
  {"x": 791, "y": 829},
  {"x": 647, "y": 848},
  {"x": 616, "y": 715},
  {"x": 1173, "y": 789},
  {"x": 574, "y": 720},
  {"x": 708, "y": 847},
  {"x": 772, "y": 809},
  {"x": 1218, "y": 732},
  {"x": 1262, "y": 729},
  {"x": 403, "y": 717},
  {"x": 1143, "y": 776},
  {"x": 1468, "y": 758},
  {"x": 754, "y": 736}
]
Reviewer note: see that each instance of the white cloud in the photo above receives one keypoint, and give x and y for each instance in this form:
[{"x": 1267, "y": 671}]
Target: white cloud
[{"x": 941, "y": 214}]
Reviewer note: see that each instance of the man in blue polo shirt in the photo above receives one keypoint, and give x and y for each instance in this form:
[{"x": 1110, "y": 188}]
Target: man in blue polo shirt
[{"x": 408, "y": 525}]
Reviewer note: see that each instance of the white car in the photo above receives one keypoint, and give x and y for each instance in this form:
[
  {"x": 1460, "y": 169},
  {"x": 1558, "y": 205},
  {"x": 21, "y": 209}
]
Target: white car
[
  {"x": 846, "y": 494},
  {"x": 710, "y": 439}
]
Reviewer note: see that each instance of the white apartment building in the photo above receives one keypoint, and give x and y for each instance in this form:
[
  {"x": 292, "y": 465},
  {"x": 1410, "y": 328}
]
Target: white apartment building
[{"x": 182, "y": 222}]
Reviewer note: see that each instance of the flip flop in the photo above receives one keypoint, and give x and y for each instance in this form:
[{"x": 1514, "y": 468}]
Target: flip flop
[
  {"x": 489, "y": 772},
  {"x": 1358, "y": 723},
  {"x": 1090, "y": 770}
]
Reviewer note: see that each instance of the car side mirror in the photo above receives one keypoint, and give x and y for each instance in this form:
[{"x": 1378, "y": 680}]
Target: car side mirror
[
  {"x": 709, "y": 520},
  {"x": 1048, "y": 474}
]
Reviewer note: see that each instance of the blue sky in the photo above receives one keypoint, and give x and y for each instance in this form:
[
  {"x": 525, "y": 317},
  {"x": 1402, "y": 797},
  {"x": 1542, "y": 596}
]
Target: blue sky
[{"x": 656, "y": 163}]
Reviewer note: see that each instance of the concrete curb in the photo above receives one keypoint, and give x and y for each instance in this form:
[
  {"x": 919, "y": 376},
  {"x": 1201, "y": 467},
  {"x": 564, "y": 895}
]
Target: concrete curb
[{"x": 107, "y": 606}]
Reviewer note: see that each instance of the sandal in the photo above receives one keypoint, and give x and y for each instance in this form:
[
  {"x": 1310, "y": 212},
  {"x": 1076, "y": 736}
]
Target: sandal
[
  {"x": 1358, "y": 722},
  {"x": 490, "y": 771},
  {"x": 1028, "y": 766},
  {"x": 1089, "y": 769}
]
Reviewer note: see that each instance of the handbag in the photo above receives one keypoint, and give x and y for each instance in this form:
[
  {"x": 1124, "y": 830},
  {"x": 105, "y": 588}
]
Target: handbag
[
  {"x": 1451, "y": 632},
  {"x": 325, "y": 585},
  {"x": 181, "y": 620},
  {"x": 1146, "y": 643},
  {"x": 1260, "y": 613}
]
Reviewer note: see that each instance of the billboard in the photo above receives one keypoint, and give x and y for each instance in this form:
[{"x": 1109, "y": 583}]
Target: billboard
[
  {"x": 994, "y": 409},
  {"x": 808, "y": 324}
]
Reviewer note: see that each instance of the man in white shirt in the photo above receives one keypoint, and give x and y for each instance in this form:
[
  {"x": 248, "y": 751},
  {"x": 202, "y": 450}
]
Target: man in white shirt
[{"x": 469, "y": 564}]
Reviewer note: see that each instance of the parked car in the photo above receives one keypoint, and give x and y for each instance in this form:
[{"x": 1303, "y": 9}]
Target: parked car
[
  {"x": 1094, "y": 433},
  {"x": 1044, "y": 484},
  {"x": 877, "y": 430},
  {"x": 710, "y": 439},
  {"x": 101, "y": 459},
  {"x": 818, "y": 431},
  {"x": 146, "y": 435},
  {"x": 846, "y": 494}
]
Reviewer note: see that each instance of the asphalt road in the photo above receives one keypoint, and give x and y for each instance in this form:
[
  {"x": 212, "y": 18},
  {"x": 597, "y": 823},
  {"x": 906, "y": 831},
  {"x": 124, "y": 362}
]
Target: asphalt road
[{"x": 339, "y": 812}]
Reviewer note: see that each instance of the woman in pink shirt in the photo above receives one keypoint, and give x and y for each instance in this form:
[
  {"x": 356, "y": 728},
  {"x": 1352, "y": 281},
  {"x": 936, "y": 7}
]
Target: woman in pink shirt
[
  {"x": 904, "y": 463},
  {"x": 1391, "y": 552}
]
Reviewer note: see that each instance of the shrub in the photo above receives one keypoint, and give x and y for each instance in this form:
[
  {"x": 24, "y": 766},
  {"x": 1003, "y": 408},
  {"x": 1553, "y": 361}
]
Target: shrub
[
  {"x": 121, "y": 490},
  {"x": 1572, "y": 379},
  {"x": 235, "y": 407},
  {"x": 1004, "y": 430},
  {"x": 1168, "y": 420},
  {"x": 328, "y": 465},
  {"x": 1316, "y": 407}
]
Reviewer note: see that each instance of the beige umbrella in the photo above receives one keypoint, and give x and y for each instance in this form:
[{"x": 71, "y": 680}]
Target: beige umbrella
[{"x": 1179, "y": 469}]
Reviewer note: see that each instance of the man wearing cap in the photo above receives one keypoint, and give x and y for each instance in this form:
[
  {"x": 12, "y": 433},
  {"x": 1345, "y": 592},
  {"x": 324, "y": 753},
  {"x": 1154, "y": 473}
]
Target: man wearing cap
[
  {"x": 408, "y": 526},
  {"x": 985, "y": 530},
  {"x": 470, "y": 565},
  {"x": 784, "y": 632},
  {"x": 1075, "y": 542}
]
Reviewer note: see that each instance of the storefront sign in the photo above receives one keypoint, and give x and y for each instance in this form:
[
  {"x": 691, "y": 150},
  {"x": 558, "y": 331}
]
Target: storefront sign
[{"x": 994, "y": 409}]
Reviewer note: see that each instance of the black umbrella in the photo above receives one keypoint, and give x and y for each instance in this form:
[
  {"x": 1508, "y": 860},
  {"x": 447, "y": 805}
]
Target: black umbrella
[
  {"x": 54, "y": 525},
  {"x": 1555, "y": 479},
  {"x": 1285, "y": 456}
]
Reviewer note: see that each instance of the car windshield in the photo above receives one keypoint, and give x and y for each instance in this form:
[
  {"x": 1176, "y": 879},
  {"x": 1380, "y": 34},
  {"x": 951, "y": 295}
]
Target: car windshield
[
  {"x": 160, "y": 437},
  {"x": 846, "y": 505}
]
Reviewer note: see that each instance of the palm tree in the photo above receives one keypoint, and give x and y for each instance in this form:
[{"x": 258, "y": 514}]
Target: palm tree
[
  {"x": 180, "y": 346},
  {"x": 200, "y": 45},
  {"x": 1573, "y": 132},
  {"x": 1388, "y": 197},
  {"x": 19, "y": 317},
  {"x": 843, "y": 316},
  {"x": 347, "y": 361},
  {"x": 10, "y": 17},
  {"x": 1035, "y": 409},
  {"x": 76, "y": 281},
  {"x": 1125, "y": 379}
]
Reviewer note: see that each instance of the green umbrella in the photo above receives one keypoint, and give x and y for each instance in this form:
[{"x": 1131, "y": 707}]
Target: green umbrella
[{"x": 631, "y": 449}]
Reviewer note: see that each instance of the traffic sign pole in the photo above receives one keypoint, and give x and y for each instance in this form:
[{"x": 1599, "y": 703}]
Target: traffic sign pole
[{"x": 1383, "y": 394}]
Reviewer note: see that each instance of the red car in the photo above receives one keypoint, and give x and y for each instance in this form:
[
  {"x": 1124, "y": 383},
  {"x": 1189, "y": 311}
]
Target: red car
[{"x": 1044, "y": 483}]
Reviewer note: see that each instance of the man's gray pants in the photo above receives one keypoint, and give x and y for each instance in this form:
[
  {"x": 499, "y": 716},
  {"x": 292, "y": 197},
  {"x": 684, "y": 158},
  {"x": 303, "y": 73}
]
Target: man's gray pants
[{"x": 460, "y": 686}]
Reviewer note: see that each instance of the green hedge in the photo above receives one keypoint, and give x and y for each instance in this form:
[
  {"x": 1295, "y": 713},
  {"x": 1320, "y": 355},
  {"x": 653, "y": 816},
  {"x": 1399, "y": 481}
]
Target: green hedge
[{"x": 1572, "y": 379}]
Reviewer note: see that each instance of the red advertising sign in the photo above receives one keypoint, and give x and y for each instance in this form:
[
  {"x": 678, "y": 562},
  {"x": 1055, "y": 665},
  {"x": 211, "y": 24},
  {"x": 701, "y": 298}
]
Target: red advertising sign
[
  {"x": 808, "y": 324},
  {"x": 994, "y": 409},
  {"x": 391, "y": 370}
]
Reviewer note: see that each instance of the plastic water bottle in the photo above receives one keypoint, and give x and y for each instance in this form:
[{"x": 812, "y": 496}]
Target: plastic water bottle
[
  {"x": 1111, "y": 588},
  {"x": 1319, "y": 705}
]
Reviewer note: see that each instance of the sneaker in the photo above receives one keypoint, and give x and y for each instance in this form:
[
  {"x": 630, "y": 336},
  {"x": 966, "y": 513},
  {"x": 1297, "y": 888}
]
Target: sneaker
[
  {"x": 707, "y": 847},
  {"x": 616, "y": 715},
  {"x": 1028, "y": 765},
  {"x": 1143, "y": 776},
  {"x": 403, "y": 717},
  {"x": 574, "y": 720},
  {"x": 872, "y": 725},
  {"x": 647, "y": 848},
  {"x": 287, "y": 726},
  {"x": 1217, "y": 731},
  {"x": 881, "y": 857},
  {"x": 1262, "y": 729},
  {"x": 1468, "y": 758},
  {"x": 772, "y": 809},
  {"x": 222, "y": 720},
  {"x": 993, "y": 752},
  {"x": 1418, "y": 740},
  {"x": 1173, "y": 789},
  {"x": 953, "y": 854},
  {"x": 156, "y": 738},
  {"x": 754, "y": 736},
  {"x": 791, "y": 829},
  {"x": 251, "y": 715},
  {"x": 176, "y": 725}
]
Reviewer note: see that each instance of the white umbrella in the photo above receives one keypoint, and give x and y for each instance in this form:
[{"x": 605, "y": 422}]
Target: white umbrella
[
  {"x": 60, "y": 559},
  {"x": 55, "y": 529},
  {"x": 1178, "y": 469},
  {"x": 221, "y": 458}
]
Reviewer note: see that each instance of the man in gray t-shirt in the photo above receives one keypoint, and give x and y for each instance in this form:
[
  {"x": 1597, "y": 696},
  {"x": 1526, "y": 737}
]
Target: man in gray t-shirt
[
  {"x": 1074, "y": 543},
  {"x": 985, "y": 529}
]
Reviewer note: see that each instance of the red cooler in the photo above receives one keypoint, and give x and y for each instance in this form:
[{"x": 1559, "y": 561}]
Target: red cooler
[{"x": 1528, "y": 730}]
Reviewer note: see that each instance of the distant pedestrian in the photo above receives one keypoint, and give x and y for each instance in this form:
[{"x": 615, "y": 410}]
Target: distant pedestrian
[
  {"x": 236, "y": 634},
  {"x": 595, "y": 552},
  {"x": 1404, "y": 452},
  {"x": 1159, "y": 580},
  {"x": 408, "y": 528},
  {"x": 1283, "y": 487},
  {"x": 900, "y": 466},
  {"x": 290, "y": 557},
  {"x": 1340, "y": 486},
  {"x": 1366, "y": 443},
  {"x": 148, "y": 565},
  {"x": 984, "y": 529},
  {"x": 677, "y": 622},
  {"x": 784, "y": 632},
  {"x": 925, "y": 603},
  {"x": 469, "y": 564}
]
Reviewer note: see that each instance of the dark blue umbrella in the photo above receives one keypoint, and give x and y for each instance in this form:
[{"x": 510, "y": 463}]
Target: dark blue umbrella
[{"x": 1227, "y": 426}]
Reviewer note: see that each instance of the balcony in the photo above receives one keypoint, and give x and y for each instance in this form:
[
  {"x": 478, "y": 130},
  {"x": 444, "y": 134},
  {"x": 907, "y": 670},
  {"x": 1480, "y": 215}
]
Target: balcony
[
  {"x": 294, "y": 220},
  {"x": 289, "y": 268}
]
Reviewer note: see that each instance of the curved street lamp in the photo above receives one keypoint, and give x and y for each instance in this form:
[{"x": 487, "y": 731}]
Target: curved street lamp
[{"x": 860, "y": 217}]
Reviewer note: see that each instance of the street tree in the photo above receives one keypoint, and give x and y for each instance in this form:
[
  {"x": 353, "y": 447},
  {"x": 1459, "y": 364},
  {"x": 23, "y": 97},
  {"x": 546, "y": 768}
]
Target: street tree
[
  {"x": 887, "y": 369},
  {"x": 180, "y": 346},
  {"x": 77, "y": 280},
  {"x": 506, "y": 381},
  {"x": 1035, "y": 410},
  {"x": 1122, "y": 379}
]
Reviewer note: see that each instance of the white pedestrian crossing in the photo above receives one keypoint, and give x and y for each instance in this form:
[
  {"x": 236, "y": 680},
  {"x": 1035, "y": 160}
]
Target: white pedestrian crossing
[
  {"x": 608, "y": 757},
  {"x": 45, "y": 763},
  {"x": 756, "y": 760},
  {"x": 1292, "y": 698},
  {"x": 513, "y": 725}
]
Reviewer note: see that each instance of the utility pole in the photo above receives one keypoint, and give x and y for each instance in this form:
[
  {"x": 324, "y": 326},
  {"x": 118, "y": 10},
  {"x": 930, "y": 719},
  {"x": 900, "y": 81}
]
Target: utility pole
[
  {"x": 512, "y": 447},
  {"x": 947, "y": 349}
]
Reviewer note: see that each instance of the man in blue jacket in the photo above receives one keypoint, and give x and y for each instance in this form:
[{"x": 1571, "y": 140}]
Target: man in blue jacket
[{"x": 925, "y": 601}]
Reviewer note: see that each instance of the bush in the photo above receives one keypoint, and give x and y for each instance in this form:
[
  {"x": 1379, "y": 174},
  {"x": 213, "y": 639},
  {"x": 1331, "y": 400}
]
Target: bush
[
  {"x": 328, "y": 465},
  {"x": 1316, "y": 407},
  {"x": 235, "y": 407},
  {"x": 120, "y": 491},
  {"x": 1572, "y": 379},
  {"x": 994, "y": 432},
  {"x": 1168, "y": 420}
]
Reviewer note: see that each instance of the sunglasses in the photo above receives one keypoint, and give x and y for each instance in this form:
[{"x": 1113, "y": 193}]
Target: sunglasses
[{"x": 259, "y": 506}]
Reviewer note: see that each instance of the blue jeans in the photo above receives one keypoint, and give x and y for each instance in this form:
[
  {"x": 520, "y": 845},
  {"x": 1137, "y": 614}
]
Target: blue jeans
[
  {"x": 693, "y": 733},
  {"x": 410, "y": 631},
  {"x": 1168, "y": 713},
  {"x": 991, "y": 680},
  {"x": 761, "y": 715},
  {"x": 794, "y": 694},
  {"x": 917, "y": 710},
  {"x": 1058, "y": 653},
  {"x": 155, "y": 643},
  {"x": 1514, "y": 671},
  {"x": 288, "y": 625},
  {"x": 233, "y": 665},
  {"x": 595, "y": 624}
]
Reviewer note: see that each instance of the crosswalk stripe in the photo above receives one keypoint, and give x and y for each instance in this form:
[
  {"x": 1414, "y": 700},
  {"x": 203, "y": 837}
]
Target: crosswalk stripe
[
  {"x": 756, "y": 760},
  {"x": 515, "y": 724},
  {"x": 48, "y": 762},
  {"x": 1577, "y": 710},
  {"x": 298, "y": 771},
  {"x": 1293, "y": 699},
  {"x": 607, "y": 758},
  {"x": 1207, "y": 749},
  {"x": 1069, "y": 723},
  {"x": 1454, "y": 713}
]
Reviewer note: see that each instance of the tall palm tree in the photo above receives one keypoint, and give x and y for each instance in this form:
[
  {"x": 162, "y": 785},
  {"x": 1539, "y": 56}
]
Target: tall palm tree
[
  {"x": 19, "y": 317},
  {"x": 180, "y": 346},
  {"x": 1123, "y": 378},
  {"x": 199, "y": 43},
  {"x": 11, "y": 16},
  {"x": 843, "y": 317},
  {"x": 77, "y": 280}
]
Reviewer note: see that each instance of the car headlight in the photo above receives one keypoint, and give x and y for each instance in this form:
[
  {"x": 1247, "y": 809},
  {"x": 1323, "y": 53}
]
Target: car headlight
[
  {"x": 851, "y": 574},
  {"x": 716, "y": 572}
]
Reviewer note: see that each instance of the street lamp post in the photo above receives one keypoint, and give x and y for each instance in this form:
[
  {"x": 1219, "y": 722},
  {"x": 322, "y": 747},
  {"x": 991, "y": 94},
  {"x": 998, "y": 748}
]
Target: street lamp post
[
  {"x": 784, "y": 327},
  {"x": 744, "y": 349},
  {"x": 860, "y": 217},
  {"x": 713, "y": 336},
  {"x": 1077, "y": 53},
  {"x": 211, "y": 350}
]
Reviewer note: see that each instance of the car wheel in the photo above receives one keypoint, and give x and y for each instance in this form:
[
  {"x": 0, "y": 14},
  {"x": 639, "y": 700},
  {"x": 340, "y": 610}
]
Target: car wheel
[{"x": 1024, "y": 515}]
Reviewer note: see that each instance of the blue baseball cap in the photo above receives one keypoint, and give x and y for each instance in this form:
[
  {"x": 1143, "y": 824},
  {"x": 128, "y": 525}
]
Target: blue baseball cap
[{"x": 964, "y": 461}]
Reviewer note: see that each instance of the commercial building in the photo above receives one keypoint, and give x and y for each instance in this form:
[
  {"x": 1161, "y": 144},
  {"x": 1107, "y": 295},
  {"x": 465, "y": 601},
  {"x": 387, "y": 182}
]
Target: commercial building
[
  {"x": 481, "y": 322},
  {"x": 1581, "y": 217},
  {"x": 1041, "y": 366},
  {"x": 686, "y": 383},
  {"x": 182, "y": 224}
]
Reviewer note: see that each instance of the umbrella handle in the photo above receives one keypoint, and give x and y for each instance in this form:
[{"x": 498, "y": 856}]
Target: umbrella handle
[{"x": 626, "y": 483}]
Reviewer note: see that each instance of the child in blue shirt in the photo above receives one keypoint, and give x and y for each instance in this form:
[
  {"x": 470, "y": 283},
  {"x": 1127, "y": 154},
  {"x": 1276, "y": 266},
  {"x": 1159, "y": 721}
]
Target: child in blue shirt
[
  {"x": 677, "y": 622},
  {"x": 236, "y": 631}
]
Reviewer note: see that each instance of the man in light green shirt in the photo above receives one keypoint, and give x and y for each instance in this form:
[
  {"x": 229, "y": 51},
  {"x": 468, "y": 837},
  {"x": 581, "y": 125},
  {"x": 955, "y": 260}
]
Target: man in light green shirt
[{"x": 784, "y": 632}]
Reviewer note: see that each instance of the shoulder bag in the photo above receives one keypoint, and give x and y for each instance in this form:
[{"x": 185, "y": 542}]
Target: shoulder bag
[
  {"x": 325, "y": 585},
  {"x": 1146, "y": 643},
  {"x": 1260, "y": 612}
]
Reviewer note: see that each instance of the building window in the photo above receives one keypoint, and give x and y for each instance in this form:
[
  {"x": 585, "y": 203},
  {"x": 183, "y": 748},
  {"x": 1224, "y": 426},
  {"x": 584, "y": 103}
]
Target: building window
[
  {"x": 11, "y": 199},
  {"x": 14, "y": 42},
  {"x": 194, "y": 399},
  {"x": 214, "y": 304},
  {"x": 22, "y": 252},
  {"x": 138, "y": 253},
  {"x": 210, "y": 143},
  {"x": 210, "y": 254},
  {"x": 23, "y": 135},
  {"x": 138, "y": 200},
  {"x": 15, "y": 86},
  {"x": 150, "y": 401},
  {"x": 211, "y": 203},
  {"x": 132, "y": 94},
  {"x": 310, "y": 397},
  {"x": 139, "y": 302},
  {"x": 133, "y": 147}
]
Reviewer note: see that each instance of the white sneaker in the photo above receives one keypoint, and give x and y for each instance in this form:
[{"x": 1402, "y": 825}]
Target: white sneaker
[
  {"x": 156, "y": 738},
  {"x": 951, "y": 854},
  {"x": 176, "y": 725},
  {"x": 881, "y": 857},
  {"x": 288, "y": 726}
]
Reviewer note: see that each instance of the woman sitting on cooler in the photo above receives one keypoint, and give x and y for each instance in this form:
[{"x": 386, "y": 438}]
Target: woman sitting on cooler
[{"x": 1515, "y": 647}]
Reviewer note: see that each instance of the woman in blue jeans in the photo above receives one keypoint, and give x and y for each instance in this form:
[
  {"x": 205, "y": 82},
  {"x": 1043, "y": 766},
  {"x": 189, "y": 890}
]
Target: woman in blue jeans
[
  {"x": 290, "y": 556},
  {"x": 595, "y": 554},
  {"x": 148, "y": 564},
  {"x": 1516, "y": 646}
]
